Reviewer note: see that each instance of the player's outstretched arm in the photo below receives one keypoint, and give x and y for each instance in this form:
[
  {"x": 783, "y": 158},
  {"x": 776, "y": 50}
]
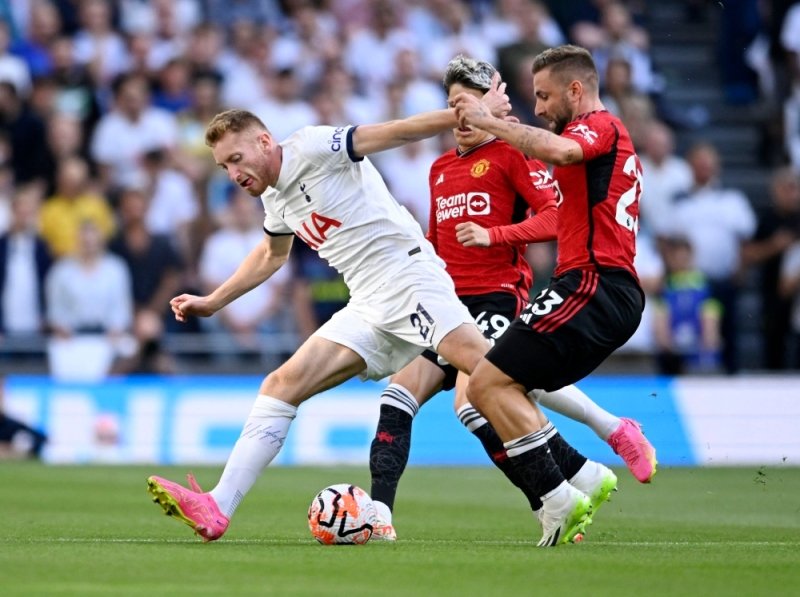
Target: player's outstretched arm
[
  {"x": 532, "y": 141},
  {"x": 263, "y": 261},
  {"x": 372, "y": 138}
]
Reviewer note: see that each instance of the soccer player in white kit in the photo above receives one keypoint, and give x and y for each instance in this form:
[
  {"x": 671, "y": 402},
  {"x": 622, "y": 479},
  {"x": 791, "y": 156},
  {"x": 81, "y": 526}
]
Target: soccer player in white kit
[{"x": 318, "y": 186}]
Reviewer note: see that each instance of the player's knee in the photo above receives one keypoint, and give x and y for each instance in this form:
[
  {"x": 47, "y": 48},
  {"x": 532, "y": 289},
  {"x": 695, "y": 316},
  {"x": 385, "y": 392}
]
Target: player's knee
[{"x": 282, "y": 383}]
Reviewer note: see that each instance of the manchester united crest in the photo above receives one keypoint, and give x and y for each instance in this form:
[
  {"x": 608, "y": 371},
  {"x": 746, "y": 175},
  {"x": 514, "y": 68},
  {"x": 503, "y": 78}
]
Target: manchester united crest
[{"x": 480, "y": 168}]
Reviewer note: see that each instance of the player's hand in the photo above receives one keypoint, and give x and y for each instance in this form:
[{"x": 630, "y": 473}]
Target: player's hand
[
  {"x": 470, "y": 234},
  {"x": 188, "y": 304},
  {"x": 496, "y": 99}
]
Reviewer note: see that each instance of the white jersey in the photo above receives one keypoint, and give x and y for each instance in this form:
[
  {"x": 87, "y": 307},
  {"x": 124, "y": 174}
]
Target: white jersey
[{"x": 340, "y": 206}]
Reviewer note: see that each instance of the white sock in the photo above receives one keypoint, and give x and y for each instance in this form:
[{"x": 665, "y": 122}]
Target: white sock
[
  {"x": 470, "y": 418},
  {"x": 573, "y": 403},
  {"x": 383, "y": 511},
  {"x": 261, "y": 439},
  {"x": 399, "y": 397}
]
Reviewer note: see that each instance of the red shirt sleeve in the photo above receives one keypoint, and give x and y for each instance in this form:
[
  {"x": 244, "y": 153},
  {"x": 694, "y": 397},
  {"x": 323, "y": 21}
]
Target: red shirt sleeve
[
  {"x": 594, "y": 134},
  {"x": 532, "y": 182},
  {"x": 538, "y": 228}
]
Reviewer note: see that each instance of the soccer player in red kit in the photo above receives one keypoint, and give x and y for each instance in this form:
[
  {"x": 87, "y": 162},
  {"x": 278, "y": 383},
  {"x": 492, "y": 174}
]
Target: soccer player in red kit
[
  {"x": 594, "y": 302},
  {"x": 481, "y": 195}
]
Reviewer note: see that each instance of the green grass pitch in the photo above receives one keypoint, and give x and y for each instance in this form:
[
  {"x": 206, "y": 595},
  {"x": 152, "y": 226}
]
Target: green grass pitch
[{"x": 463, "y": 531}]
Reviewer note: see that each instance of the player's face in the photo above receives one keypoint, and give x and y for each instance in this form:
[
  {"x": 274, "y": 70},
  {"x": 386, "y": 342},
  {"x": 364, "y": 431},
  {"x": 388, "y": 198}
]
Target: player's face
[
  {"x": 248, "y": 158},
  {"x": 466, "y": 137},
  {"x": 551, "y": 101}
]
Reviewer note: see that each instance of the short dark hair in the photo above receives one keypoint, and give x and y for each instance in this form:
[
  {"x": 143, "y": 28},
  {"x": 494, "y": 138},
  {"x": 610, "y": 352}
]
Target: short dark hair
[{"x": 568, "y": 62}]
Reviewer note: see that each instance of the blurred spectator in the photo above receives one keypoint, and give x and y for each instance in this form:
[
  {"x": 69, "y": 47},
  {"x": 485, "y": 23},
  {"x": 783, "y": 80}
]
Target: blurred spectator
[
  {"x": 17, "y": 439},
  {"x": 791, "y": 124},
  {"x": 89, "y": 309},
  {"x": 24, "y": 262},
  {"x": 318, "y": 291},
  {"x": 76, "y": 94},
  {"x": 789, "y": 290},
  {"x": 130, "y": 130},
  {"x": 665, "y": 175},
  {"x": 193, "y": 157},
  {"x": 173, "y": 90},
  {"x": 337, "y": 101},
  {"x": 381, "y": 41},
  {"x": 650, "y": 270},
  {"x": 98, "y": 45},
  {"x": 717, "y": 221},
  {"x": 44, "y": 26},
  {"x": 409, "y": 91},
  {"x": 167, "y": 22},
  {"x": 75, "y": 201},
  {"x": 204, "y": 49},
  {"x": 283, "y": 108},
  {"x": 739, "y": 23},
  {"x": 65, "y": 139},
  {"x": 243, "y": 323},
  {"x": 310, "y": 43},
  {"x": 173, "y": 205},
  {"x": 7, "y": 186},
  {"x": 155, "y": 269},
  {"x": 621, "y": 98},
  {"x": 778, "y": 228},
  {"x": 13, "y": 69},
  {"x": 617, "y": 36},
  {"x": 523, "y": 23},
  {"x": 687, "y": 318},
  {"x": 461, "y": 36},
  {"x": 243, "y": 63},
  {"x": 25, "y": 132},
  {"x": 226, "y": 13},
  {"x": 527, "y": 18}
]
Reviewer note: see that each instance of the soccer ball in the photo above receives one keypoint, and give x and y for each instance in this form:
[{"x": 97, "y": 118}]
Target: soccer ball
[{"x": 342, "y": 514}]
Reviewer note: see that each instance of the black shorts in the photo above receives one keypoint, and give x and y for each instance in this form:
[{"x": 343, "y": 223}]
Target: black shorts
[
  {"x": 493, "y": 313},
  {"x": 570, "y": 328}
]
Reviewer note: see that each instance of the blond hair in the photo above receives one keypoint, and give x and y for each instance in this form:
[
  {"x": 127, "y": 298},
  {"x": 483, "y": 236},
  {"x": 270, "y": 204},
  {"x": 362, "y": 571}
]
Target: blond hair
[
  {"x": 568, "y": 62},
  {"x": 232, "y": 120}
]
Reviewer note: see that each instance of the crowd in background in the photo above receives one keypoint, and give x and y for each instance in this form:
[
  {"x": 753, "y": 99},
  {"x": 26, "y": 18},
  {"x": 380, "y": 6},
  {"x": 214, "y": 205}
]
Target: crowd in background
[{"x": 110, "y": 202}]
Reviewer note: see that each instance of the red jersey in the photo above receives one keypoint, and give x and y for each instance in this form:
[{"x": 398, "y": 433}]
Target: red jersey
[
  {"x": 495, "y": 186},
  {"x": 598, "y": 212}
]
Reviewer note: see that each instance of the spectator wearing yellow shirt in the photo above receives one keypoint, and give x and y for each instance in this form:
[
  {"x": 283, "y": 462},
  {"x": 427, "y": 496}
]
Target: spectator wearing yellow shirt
[{"x": 74, "y": 202}]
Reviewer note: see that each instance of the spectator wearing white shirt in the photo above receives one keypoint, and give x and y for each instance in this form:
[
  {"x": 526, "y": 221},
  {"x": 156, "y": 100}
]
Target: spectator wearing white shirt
[
  {"x": 98, "y": 46},
  {"x": 380, "y": 42},
  {"x": 284, "y": 107},
  {"x": 717, "y": 222},
  {"x": 130, "y": 130},
  {"x": 89, "y": 309},
  {"x": 665, "y": 175},
  {"x": 173, "y": 205}
]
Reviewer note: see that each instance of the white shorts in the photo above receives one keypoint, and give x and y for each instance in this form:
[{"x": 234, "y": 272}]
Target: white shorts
[{"x": 393, "y": 325}]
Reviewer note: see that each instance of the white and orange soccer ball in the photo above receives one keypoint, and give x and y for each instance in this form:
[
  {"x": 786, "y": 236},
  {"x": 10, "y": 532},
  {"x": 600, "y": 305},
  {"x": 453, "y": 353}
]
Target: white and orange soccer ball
[{"x": 342, "y": 514}]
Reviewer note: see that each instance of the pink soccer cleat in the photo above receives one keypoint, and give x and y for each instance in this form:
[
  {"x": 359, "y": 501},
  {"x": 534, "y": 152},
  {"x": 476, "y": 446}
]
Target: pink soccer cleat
[
  {"x": 639, "y": 454},
  {"x": 195, "y": 508}
]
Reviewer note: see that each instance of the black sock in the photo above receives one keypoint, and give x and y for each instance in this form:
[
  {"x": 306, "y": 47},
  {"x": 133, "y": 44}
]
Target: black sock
[
  {"x": 388, "y": 455},
  {"x": 493, "y": 445},
  {"x": 536, "y": 470},
  {"x": 568, "y": 459}
]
